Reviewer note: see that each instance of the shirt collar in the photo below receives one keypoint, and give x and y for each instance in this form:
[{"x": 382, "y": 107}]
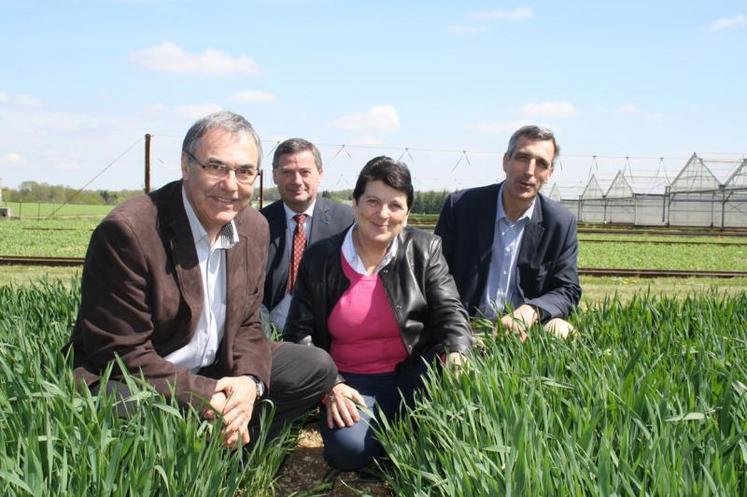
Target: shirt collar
[
  {"x": 351, "y": 255},
  {"x": 227, "y": 237},
  {"x": 501, "y": 214},
  {"x": 289, "y": 213}
]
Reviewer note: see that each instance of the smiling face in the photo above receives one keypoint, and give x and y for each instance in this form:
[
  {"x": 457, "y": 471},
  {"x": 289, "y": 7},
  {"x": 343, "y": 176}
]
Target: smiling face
[
  {"x": 297, "y": 179},
  {"x": 381, "y": 213},
  {"x": 217, "y": 201},
  {"x": 527, "y": 170}
]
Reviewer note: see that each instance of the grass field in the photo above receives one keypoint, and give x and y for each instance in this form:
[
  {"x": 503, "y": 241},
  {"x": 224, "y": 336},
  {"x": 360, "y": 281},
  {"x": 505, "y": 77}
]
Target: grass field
[
  {"x": 39, "y": 210},
  {"x": 58, "y": 441},
  {"x": 70, "y": 238},
  {"x": 650, "y": 400}
]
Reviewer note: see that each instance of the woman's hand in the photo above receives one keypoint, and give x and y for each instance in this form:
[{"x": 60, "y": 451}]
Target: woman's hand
[
  {"x": 455, "y": 361},
  {"x": 341, "y": 406}
]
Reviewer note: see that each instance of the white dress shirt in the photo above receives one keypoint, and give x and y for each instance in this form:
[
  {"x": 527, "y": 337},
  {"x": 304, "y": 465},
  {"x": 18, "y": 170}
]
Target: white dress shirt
[
  {"x": 203, "y": 347},
  {"x": 356, "y": 263},
  {"x": 279, "y": 314},
  {"x": 501, "y": 286}
]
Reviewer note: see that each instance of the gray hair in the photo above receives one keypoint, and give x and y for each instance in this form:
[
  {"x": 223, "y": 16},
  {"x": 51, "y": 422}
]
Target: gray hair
[
  {"x": 533, "y": 133},
  {"x": 225, "y": 120},
  {"x": 295, "y": 146}
]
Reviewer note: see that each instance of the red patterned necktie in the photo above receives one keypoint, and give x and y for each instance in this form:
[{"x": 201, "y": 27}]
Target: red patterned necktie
[{"x": 299, "y": 244}]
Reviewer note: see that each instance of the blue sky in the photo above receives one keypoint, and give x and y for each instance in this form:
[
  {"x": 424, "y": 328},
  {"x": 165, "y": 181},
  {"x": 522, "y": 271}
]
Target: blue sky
[{"x": 82, "y": 81}]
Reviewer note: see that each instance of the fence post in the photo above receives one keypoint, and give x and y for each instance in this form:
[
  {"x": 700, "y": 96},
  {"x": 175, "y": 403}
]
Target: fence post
[{"x": 147, "y": 163}]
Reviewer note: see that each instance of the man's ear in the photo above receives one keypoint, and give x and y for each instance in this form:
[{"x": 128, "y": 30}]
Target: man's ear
[
  {"x": 185, "y": 166},
  {"x": 506, "y": 159}
]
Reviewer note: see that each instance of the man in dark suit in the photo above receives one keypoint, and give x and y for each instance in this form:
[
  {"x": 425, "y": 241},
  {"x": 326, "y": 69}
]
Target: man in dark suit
[
  {"x": 510, "y": 248},
  {"x": 300, "y": 218},
  {"x": 172, "y": 284}
]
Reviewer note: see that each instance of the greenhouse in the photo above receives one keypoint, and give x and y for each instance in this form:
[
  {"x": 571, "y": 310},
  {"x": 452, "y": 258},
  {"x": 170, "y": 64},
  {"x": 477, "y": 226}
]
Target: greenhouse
[{"x": 705, "y": 193}]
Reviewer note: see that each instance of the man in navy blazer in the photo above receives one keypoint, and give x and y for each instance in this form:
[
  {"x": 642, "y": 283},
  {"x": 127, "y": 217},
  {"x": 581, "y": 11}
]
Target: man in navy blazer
[
  {"x": 296, "y": 170},
  {"x": 512, "y": 251}
]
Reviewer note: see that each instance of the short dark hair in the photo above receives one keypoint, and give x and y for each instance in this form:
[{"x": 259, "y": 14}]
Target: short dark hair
[
  {"x": 533, "y": 133},
  {"x": 393, "y": 173},
  {"x": 225, "y": 120},
  {"x": 295, "y": 146}
]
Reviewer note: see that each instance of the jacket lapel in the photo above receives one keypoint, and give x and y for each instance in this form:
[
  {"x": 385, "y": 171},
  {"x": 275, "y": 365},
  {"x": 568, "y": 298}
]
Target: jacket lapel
[
  {"x": 485, "y": 227},
  {"x": 533, "y": 232},
  {"x": 182, "y": 247},
  {"x": 319, "y": 221},
  {"x": 277, "y": 223},
  {"x": 236, "y": 287}
]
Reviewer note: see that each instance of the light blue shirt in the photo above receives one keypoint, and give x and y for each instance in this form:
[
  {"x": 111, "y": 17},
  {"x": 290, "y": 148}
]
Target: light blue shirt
[
  {"x": 203, "y": 347},
  {"x": 501, "y": 287}
]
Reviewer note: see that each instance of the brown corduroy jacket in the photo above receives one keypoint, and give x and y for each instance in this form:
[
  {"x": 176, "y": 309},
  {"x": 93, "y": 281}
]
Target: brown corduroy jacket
[{"x": 141, "y": 298}]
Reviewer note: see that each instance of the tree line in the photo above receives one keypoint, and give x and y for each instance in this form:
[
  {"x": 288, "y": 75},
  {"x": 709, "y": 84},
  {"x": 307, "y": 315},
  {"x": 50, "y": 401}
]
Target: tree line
[
  {"x": 32, "y": 191},
  {"x": 426, "y": 202}
]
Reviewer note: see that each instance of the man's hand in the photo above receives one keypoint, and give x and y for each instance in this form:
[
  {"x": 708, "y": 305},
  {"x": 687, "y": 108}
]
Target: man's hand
[
  {"x": 234, "y": 398},
  {"x": 560, "y": 328},
  {"x": 341, "y": 406},
  {"x": 520, "y": 320}
]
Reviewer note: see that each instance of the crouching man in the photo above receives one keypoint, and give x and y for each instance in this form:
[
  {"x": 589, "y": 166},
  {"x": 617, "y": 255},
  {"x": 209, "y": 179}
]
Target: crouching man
[
  {"x": 173, "y": 284},
  {"x": 512, "y": 251}
]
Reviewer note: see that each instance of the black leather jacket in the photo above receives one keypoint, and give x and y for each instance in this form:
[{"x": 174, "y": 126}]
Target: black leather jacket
[{"x": 418, "y": 286}]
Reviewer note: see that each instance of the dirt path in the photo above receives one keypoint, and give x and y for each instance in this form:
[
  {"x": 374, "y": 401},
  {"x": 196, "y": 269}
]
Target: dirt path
[{"x": 303, "y": 473}]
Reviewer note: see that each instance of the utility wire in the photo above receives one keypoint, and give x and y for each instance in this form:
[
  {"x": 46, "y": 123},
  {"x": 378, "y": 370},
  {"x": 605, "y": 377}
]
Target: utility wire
[{"x": 74, "y": 195}]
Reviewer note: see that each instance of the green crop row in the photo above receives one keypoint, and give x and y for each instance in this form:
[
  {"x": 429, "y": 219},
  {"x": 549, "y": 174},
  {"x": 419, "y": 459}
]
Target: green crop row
[
  {"x": 52, "y": 238},
  {"x": 649, "y": 400},
  {"x": 58, "y": 440},
  {"x": 70, "y": 239},
  {"x": 657, "y": 256},
  {"x": 41, "y": 210}
]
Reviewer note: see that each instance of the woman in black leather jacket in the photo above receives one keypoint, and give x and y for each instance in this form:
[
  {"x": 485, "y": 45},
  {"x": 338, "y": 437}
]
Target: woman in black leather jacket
[{"x": 379, "y": 298}]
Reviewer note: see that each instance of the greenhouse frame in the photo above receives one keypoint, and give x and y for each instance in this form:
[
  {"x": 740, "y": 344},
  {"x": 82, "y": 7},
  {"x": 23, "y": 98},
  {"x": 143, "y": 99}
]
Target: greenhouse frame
[{"x": 696, "y": 197}]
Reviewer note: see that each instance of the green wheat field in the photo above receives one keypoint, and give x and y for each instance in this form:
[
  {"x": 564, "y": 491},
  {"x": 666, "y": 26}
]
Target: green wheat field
[{"x": 649, "y": 400}]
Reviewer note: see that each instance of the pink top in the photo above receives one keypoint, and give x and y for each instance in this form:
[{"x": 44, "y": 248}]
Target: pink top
[{"x": 364, "y": 331}]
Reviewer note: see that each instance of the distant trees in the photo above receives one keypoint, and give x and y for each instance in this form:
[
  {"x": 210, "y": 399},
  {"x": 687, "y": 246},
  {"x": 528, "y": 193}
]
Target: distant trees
[
  {"x": 32, "y": 191},
  {"x": 428, "y": 202}
]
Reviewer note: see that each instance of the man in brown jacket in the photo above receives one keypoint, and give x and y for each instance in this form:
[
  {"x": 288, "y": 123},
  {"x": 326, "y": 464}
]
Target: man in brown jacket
[{"x": 173, "y": 283}]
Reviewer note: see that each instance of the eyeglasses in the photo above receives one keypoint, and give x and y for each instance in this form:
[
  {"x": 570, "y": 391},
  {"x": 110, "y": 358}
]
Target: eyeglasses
[{"x": 217, "y": 170}]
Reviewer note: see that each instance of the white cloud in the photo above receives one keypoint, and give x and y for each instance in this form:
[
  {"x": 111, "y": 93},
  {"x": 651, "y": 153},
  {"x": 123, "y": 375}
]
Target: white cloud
[
  {"x": 378, "y": 118},
  {"x": 196, "y": 111},
  {"x": 727, "y": 22},
  {"x": 254, "y": 97},
  {"x": 519, "y": 13},
  {"x": 462, "y": 29},
  {"x": 12, "y": 158},
  {"x": 497, "y": 127},
  {"x": 170, "y": 58},
  {"x": 633, "y": 110},
  {"x": 20, "y": 101},
  {"x": 627, "y": 109},
  {"x": 548, "y": 109}
]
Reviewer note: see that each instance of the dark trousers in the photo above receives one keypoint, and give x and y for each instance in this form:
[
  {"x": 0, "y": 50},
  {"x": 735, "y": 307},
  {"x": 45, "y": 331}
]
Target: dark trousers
[
  {"x": 354, "y": 447},
  {"x": 300, "y": 375}
]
